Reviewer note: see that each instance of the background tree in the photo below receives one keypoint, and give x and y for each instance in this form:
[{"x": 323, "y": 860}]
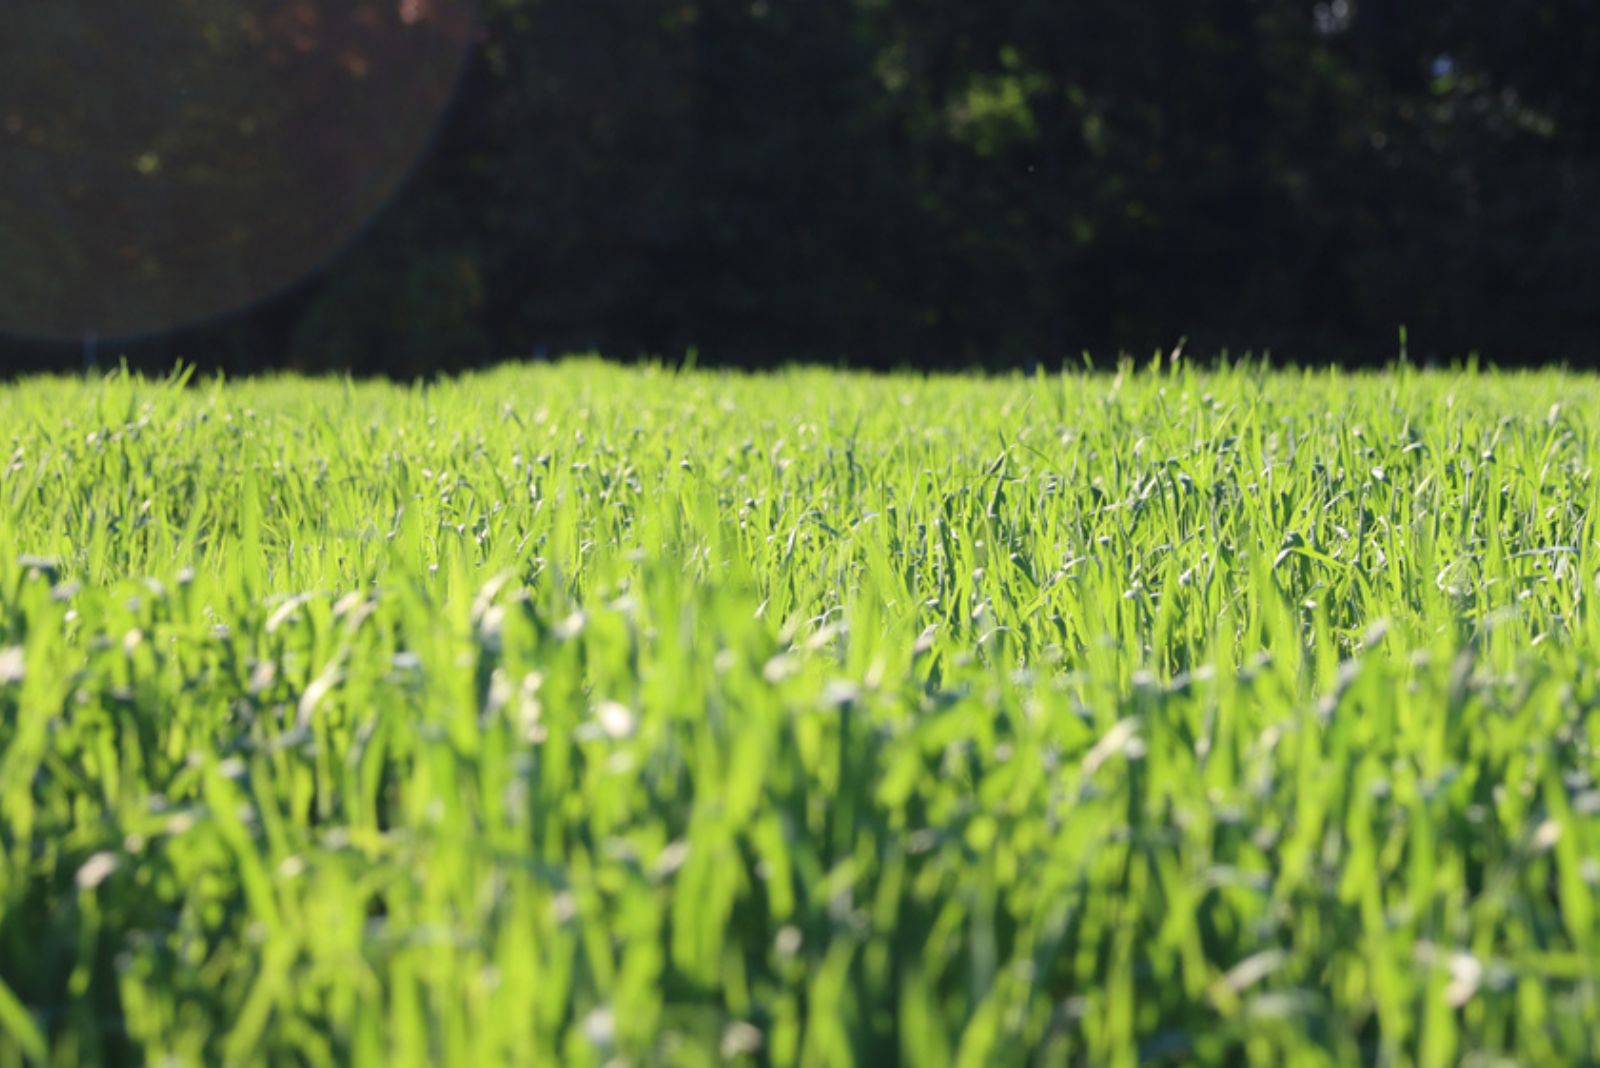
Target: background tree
[{"x": 938, "y": 183}]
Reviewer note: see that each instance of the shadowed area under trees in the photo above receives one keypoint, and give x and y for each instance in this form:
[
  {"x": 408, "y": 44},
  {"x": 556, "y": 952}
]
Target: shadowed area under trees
[{"x": 936, "y": 183}]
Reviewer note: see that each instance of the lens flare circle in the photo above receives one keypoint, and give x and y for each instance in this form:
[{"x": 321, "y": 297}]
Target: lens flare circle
[{"x": 166, "y": 161}]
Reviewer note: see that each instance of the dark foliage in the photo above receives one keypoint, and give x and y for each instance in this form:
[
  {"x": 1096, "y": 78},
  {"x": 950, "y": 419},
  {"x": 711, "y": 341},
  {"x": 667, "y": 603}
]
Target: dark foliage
[{"x": 941, "y": 183}]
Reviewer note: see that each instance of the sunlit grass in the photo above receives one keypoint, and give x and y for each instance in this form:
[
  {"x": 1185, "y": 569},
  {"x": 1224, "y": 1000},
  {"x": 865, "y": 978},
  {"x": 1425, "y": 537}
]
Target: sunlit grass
[{"x": 583, "y": 715}]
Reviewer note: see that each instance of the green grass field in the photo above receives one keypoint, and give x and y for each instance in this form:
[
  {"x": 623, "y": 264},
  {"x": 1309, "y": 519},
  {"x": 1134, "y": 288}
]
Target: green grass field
[{"x": 586, "y": 716}]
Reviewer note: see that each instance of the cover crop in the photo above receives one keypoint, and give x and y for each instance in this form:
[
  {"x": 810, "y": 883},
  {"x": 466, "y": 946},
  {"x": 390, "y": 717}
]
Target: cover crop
[{"x": 592, "y": 716}]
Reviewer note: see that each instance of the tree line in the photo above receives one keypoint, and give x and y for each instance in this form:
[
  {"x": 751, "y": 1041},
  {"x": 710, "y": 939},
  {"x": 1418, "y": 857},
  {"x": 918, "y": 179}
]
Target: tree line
[{"x": 941, "y": 183}]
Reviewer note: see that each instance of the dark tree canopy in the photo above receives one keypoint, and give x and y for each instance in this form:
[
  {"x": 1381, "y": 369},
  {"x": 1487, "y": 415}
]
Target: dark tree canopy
[{"x": 947, "y": 183}]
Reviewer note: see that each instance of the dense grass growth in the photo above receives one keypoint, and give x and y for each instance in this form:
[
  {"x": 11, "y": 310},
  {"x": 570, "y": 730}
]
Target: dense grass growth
[{"x": 579, "y": 715}]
